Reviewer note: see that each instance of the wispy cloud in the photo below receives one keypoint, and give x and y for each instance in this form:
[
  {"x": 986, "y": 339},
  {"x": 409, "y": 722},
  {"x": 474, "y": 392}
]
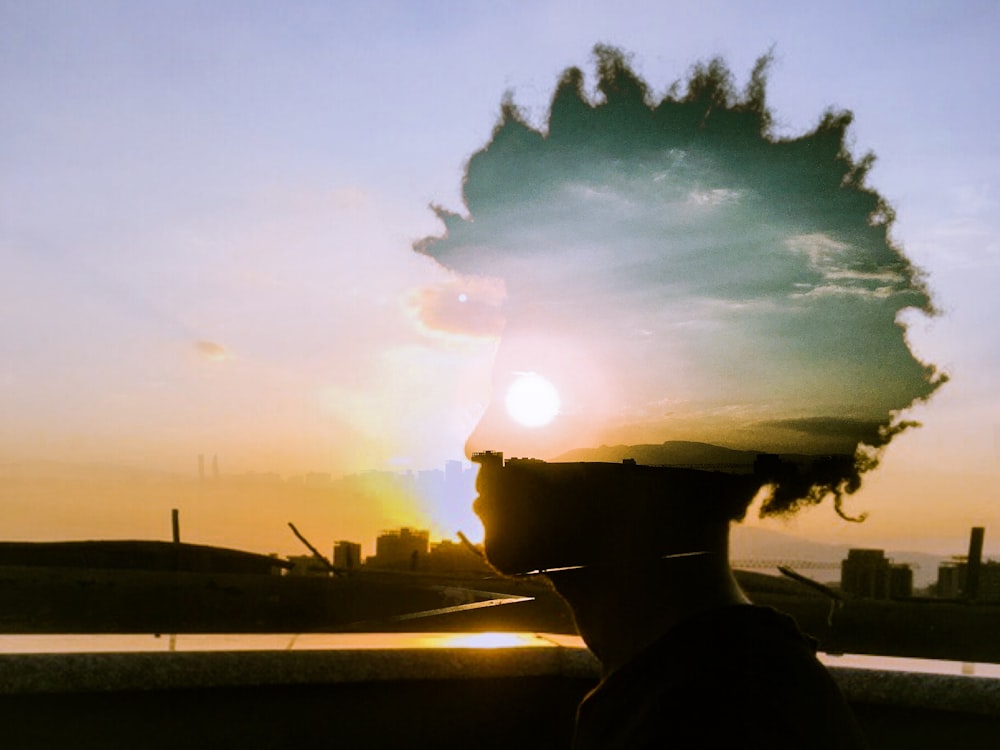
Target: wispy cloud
[{"x": 212, "y": 351}]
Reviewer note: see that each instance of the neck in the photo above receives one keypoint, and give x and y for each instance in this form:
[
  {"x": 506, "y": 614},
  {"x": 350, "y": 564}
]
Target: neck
[{"x": 622, "y": 607}]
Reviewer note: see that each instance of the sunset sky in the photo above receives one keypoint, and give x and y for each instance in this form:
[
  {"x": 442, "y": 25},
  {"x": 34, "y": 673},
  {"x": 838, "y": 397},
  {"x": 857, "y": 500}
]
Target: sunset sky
[{"x": 207, "y": 215}]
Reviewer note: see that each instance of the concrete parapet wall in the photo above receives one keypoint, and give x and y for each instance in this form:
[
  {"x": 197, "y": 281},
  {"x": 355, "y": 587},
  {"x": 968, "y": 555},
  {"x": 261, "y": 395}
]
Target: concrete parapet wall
[{"x": 393, "y": 690}]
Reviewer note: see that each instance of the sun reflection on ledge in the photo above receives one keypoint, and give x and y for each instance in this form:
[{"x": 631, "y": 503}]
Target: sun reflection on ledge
[{"x": 486, "y": 640}]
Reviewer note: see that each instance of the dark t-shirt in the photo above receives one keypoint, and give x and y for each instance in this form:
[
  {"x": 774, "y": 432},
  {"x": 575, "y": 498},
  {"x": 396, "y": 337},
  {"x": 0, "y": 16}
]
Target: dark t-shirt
[{"x": 741, "y": 677}]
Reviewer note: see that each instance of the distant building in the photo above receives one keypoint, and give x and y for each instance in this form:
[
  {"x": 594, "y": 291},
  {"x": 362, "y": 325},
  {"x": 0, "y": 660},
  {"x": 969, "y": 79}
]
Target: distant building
[
  {"x": 900, "y": 581},
  {"x": 869, "y": 574},
  {"x": 989, "y": 581},
  {"x": 449, "y": 556},
  {"x": 969, "y": 577},
  {"x": 347, "y": 555},
  {"x": 952, "y": 580},
  {"x": 316, "y": 479},
  {"x": 404, "y": 548},
  {"x": 974, "y": 562},
  {"x": 453, "y": 471},
  {"x": 488, "y": 458},
  {"x": 430, "y": 484}
]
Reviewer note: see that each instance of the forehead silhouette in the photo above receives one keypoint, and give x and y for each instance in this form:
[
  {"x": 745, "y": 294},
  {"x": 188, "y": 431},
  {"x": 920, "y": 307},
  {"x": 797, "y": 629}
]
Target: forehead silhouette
[{"x": 691, "y": 283}]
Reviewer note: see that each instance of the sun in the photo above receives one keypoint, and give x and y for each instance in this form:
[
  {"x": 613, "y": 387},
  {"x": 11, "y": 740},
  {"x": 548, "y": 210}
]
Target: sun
[{"x": 532, "y": 400}]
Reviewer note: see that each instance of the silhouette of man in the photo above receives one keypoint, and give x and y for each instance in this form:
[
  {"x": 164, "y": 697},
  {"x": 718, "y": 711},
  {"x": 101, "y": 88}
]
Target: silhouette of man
[
  {"x": 641, "y": 556},
  {"x": 680, "y": 274}
]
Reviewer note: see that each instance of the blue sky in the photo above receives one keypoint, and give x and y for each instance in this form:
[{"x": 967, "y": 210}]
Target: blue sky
[{"x": 206, "y": 213}]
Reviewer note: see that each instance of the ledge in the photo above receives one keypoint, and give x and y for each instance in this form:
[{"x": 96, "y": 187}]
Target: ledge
[
  {"x": 923, "y": 684},
  {"x": 67, "y": 664},
  {"x": 109, "y": 663}
]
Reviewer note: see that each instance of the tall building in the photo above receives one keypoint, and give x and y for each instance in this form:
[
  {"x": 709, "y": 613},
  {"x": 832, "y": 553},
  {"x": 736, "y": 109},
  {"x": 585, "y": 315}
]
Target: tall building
[
  {"x": 900, "y": 581},
  {"x": 974, "y": 562},
  {"x": 869, "y": 574},
  {"x": 403, "y": 548},
  {"x": 951, "y": 578},
  {"x": 347, "y": 555},
  {"x": 447, "y": 555},
  {"x": 453, "y": 472},
  {"x": 989, "y": 581}
]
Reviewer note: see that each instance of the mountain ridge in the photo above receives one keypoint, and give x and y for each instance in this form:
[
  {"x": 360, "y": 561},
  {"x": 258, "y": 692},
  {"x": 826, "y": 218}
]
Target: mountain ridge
[{"x": 676, "y": 453}]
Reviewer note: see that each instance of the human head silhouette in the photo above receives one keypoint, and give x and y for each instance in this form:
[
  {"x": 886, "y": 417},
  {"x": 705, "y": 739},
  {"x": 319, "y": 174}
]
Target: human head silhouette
[{"x": 698, "y": 291}]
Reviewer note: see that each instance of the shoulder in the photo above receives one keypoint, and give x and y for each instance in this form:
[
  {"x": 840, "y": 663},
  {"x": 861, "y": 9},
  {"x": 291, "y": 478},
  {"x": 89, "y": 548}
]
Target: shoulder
[{"x": 740, "y": 674}]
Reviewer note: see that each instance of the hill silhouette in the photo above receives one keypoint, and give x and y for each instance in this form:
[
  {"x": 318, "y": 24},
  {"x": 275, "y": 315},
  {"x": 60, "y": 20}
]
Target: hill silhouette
[
  {"x": 680, "y": 453},
  {"x": 670, "y": 453}
]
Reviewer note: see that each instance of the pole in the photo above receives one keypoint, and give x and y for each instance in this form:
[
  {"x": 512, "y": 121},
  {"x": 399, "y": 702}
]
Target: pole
[{"x": 316, "y": 553}]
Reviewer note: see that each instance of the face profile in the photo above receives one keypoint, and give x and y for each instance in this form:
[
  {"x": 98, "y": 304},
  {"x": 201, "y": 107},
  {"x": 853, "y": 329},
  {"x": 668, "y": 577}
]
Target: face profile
[
  {"x": 685, "y": 291},
  {"x": 542, "y": 516}
]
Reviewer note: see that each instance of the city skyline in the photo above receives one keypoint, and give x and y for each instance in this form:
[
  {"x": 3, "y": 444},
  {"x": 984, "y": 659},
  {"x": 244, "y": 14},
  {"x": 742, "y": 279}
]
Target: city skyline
[
  {"x": 209, "y": 212},
  {"x": 149, "y": 519}
]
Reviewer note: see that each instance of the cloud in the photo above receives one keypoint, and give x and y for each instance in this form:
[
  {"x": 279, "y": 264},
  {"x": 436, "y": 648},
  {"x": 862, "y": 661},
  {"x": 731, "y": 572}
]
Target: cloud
[
  {"x": 468, "y": 306},
  {"x": 821, "y": 250},
  {"x": 760, "y": 269},
  {"x": 845, "y": 269},
  {"x": 211, "y": 350},
  {"x": 715, "y": 197}
]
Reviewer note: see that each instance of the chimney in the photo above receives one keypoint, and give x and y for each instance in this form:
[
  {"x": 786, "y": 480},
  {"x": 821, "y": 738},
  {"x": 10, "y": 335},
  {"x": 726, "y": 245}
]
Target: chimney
[{"x": 975, "y": 562}]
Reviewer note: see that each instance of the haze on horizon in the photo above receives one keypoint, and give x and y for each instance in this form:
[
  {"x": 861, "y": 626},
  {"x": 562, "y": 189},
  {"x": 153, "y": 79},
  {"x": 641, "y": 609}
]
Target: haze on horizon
[{"x": 206, "y": 216}]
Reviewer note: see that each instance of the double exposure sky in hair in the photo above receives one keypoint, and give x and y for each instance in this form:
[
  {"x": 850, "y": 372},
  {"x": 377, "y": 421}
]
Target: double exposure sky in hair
[
  {"x": 208, "y": 213},
  {"x": 678, "y": 273}
]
